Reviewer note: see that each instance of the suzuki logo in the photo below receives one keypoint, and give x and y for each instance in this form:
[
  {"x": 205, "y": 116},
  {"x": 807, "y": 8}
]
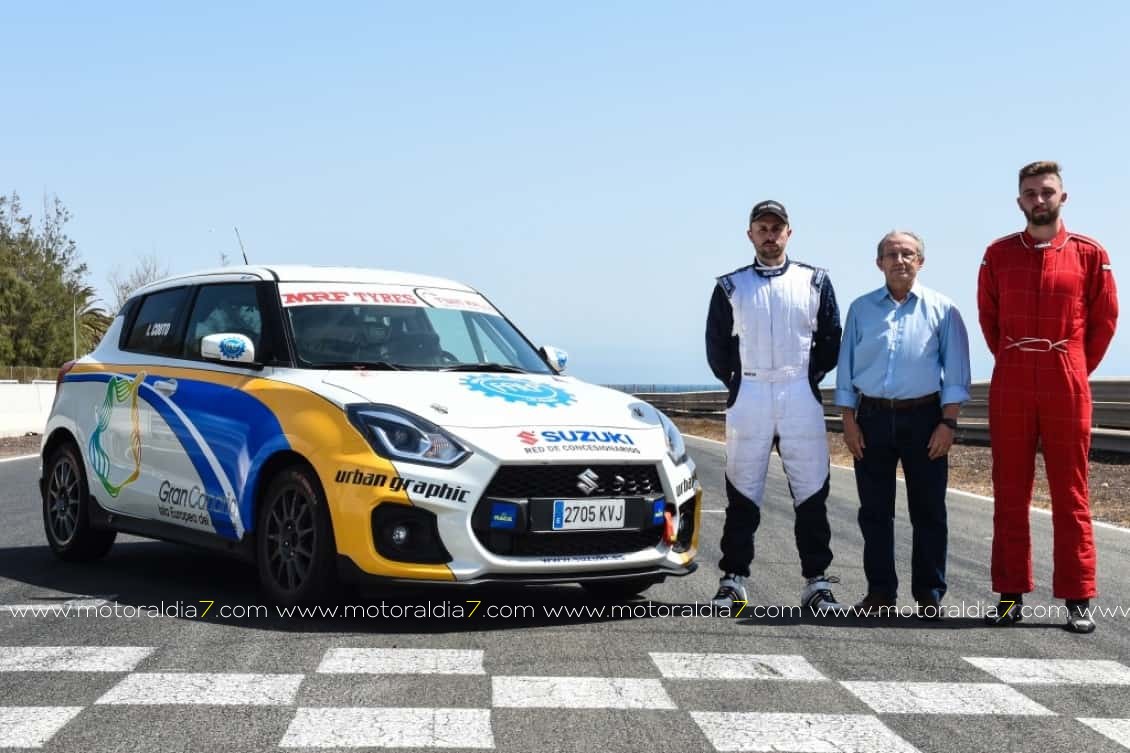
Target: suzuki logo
[
  {"x": 587, "y": 481},
  {"x": 528, "y": 437}
]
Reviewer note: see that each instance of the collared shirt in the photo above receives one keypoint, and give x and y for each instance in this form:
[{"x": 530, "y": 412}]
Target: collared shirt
[{"x": 903, "y": 350}]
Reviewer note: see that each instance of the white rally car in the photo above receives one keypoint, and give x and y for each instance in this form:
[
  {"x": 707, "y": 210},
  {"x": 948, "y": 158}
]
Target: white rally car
[{"x": 348, "y": 424}]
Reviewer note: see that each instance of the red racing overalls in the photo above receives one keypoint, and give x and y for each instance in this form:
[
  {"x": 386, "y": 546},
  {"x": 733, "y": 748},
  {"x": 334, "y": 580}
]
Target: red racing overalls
[{"x": 1048, "y": 311}]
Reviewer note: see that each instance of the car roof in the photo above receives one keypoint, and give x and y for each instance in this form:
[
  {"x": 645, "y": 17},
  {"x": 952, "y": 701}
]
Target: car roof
[{"x": 303, "y": 273}]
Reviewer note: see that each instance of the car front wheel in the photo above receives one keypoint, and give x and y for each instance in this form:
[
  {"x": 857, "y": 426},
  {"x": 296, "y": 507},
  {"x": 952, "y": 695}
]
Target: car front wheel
[{"x": 295, "y": 548}]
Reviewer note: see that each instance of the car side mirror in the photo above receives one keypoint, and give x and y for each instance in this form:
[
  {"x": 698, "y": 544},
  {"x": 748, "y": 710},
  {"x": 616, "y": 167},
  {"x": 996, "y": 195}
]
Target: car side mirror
[
  {"x": 555, "y": 357},
  {"x": 228, "y": 347}
]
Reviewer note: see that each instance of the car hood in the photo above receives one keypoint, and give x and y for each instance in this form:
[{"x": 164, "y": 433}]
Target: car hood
[
  {"x": 521, "y": 417},
  {"x": 488, "y": 401}
]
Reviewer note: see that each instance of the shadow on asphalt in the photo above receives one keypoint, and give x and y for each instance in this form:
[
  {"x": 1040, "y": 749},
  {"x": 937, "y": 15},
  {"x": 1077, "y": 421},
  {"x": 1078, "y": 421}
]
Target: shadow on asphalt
[
  {"x": 179, "y": 582},
  {"x": 184, "y": 583}
]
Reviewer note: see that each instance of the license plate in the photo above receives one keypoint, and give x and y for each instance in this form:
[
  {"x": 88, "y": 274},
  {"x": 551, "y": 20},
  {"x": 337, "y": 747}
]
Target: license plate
[{"x": 587, "y": 514}]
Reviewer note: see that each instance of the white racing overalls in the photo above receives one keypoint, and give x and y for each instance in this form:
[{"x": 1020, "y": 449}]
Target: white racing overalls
[{"x": 772, "y": 334}]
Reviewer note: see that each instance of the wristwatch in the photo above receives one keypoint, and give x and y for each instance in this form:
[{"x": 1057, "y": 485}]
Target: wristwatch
[{"x": 950, "y": 422}]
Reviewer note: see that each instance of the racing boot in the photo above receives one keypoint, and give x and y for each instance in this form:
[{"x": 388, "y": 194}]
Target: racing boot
[
  {"x": 817, "y": 596},
  {"x": 1007, "y": 612},
  {"x": 731, "y": 588},
  {"x": 1079, "y": 616}
]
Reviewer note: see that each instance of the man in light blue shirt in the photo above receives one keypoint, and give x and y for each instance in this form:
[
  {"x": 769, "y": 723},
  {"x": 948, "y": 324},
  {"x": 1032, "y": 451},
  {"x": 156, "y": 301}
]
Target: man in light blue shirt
[{"x": 902, "y": 376}]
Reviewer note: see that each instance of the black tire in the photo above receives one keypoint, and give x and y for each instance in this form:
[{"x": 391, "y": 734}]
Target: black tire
[
  {"x": 620, "y": 589},
  {"x": 66, "y": 509},
  {"x": 294, "y": 546}
]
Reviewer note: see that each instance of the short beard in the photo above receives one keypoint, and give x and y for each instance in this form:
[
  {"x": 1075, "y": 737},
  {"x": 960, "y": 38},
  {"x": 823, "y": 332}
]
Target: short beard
[{"x": 1050, "y": 218}]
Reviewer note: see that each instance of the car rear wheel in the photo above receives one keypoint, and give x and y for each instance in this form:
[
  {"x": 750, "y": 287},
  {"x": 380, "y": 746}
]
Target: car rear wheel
[
  {"x": 66, "y": 509},
  {"x": 622, "y": 588},
  {"x": 295, "y": 548}
]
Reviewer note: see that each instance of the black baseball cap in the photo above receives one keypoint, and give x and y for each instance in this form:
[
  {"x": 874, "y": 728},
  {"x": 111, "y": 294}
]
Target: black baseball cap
[{"x": 763, "y": 208}]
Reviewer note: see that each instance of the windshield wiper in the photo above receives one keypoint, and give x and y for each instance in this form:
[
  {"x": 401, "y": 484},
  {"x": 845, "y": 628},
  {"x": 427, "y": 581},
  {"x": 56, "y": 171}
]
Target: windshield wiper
[
  {"x": 359, "y": 365},
  {"x": 504, "y": 368}
]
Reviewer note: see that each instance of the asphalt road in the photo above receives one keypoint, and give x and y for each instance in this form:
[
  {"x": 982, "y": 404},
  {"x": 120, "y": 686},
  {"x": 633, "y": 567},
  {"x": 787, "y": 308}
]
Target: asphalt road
[{"x": 145, "y": 672}]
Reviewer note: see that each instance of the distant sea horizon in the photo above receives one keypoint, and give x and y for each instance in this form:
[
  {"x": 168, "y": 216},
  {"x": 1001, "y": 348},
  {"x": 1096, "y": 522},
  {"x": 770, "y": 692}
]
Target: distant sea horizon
[{"x": 636, "y": 388}]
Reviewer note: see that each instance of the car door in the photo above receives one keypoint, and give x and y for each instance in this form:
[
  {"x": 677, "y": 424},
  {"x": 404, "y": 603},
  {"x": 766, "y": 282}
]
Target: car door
[
  {"x": 229, "y": 427},
  {"x": 130, "y": 440}
]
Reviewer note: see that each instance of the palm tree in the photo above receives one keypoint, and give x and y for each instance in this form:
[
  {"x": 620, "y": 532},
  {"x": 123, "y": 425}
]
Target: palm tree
[{"x": 91, "y": 319}]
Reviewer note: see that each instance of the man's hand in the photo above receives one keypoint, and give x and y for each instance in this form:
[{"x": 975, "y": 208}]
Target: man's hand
[
  {"x": 940, "y": 441},
  {"x": 853, "y": 436}
]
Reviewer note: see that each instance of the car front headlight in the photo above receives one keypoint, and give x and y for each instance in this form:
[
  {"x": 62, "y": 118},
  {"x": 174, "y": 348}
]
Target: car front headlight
[
  {"x": 676, "y": 447},
  {"x": 396, "y": 434}
]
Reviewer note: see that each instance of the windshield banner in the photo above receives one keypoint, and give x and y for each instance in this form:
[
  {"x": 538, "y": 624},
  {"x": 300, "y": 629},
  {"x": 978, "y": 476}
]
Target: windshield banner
[{"x": 351, "y": 294}]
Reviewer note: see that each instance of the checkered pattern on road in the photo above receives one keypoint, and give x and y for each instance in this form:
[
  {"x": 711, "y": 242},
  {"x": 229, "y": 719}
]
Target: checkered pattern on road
[{"x": 318, "y": 709}]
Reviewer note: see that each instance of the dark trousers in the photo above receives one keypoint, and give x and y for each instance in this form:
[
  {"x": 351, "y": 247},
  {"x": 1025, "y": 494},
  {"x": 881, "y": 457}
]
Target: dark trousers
[
  {"x": 892, "y": 437},
  {"x": 811, "y": 529}
]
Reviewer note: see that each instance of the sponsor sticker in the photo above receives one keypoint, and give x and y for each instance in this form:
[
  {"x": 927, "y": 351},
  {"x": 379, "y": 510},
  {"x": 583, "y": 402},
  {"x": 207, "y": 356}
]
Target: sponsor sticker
[
  {"x": 576, "y": 440},
  {"x": 311, "y": 294},
  {"x": 503, "y": 515},
  {"x": 517, "y": 390},
  {"x": 454, "y": 299},
  {"x": 417, "y": 487}
]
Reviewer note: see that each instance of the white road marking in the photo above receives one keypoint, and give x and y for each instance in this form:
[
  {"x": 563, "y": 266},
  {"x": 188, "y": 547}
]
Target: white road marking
[
  {"x": 47, "y": 609},
  {"x": 735, "y": 667},
  {"x": 402, "y": 661},
  {"x": 32, "y": 726},
  {"x": 185, "y": 688},
  {"x": 389, "y": 728},
  {"x": 579, "y": 693},
  {"x": 799, "y": 733},
  {"x": 71, "y": 658},
  {"x": 945, "y": 698},
  {"x": 1116, "y": 729},
  {"x": 17, "y": 457},
  {"x": 1053, "y": 671}
]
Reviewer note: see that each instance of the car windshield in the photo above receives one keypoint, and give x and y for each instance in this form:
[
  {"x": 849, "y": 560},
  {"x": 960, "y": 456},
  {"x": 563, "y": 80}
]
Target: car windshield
[{"x": 400, "y": 327}]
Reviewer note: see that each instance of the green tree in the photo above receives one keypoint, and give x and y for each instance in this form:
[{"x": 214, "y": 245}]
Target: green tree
[{"x": 42, "y": 286}]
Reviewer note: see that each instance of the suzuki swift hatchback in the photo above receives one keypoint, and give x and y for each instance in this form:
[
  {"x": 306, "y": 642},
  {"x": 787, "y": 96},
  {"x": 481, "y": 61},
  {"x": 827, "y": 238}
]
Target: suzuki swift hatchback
[{"x": 360, "y": 425}]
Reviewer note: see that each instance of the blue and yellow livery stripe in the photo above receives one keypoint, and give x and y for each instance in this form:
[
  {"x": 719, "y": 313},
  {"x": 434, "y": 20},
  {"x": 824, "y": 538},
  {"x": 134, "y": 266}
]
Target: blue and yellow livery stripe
[{"x": 244, "y": 420}]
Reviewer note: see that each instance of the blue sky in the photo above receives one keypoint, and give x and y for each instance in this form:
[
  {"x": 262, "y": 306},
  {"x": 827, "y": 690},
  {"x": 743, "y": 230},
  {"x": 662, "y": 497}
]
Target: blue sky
[{"x": 590, "y": 167}]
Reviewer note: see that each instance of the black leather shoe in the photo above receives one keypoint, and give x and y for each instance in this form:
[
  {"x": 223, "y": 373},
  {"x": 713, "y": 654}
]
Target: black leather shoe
[
  {"x": 929, "y": 609},
  {"x": 1079, "y": 617},
  {"x": 1007, "y": 611},
  {"x": 875, "y": 605}
]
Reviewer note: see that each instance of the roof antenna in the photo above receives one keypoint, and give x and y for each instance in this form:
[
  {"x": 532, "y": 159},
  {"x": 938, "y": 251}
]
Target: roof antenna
[{"x": 241, "y": 248}]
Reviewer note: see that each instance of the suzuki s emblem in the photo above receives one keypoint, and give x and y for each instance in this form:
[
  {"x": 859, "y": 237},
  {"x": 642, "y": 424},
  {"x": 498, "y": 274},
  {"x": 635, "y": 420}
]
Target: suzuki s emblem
[{"x": 587, "y": 481}]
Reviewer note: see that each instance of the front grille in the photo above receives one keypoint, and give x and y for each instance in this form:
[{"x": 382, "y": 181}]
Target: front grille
[
  {"x": 638, "y": 483},
  {"x": 525, "y": 481}
]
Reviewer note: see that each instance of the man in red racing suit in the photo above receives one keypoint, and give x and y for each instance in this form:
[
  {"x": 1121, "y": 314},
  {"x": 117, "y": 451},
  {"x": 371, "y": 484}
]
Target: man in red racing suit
[{"x": 1048, "y": 307}]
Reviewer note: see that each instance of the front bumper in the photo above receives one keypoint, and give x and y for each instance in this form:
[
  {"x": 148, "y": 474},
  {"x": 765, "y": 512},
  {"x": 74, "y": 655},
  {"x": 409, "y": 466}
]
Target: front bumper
[{"x": 462, "y": 547}]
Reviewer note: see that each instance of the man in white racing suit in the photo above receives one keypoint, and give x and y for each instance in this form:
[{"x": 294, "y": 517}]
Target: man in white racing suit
[{"x": 772, "y": 333}]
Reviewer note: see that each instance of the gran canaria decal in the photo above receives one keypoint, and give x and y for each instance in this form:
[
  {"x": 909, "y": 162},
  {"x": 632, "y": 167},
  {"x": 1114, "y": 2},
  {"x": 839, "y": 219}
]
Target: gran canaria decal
[{"x": 121, "y": 394}]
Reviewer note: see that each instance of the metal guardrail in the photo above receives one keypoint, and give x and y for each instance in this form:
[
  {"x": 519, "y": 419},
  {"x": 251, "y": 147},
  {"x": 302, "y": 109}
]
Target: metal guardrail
[
  {"x": 27, "y": 374},
  {"x": 1110, "y": 421}
]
